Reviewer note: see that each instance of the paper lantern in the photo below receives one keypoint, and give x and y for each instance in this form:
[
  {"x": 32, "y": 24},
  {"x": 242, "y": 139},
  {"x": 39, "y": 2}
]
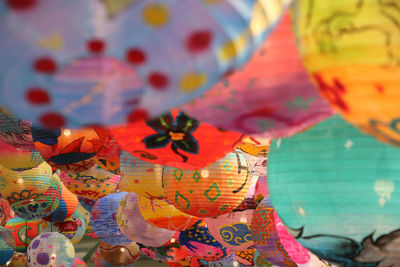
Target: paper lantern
[
  {"x": 19, "y": 260},
  {"x": 132, "y": 224},
  {"x": 67, "y": 206},
  {"x": 199, "y": 242},
  {"x": 171, "y": 251},
  {"x": 88, "y": 225},
  {"x": 78, "y": 262},
  {"x": 338, "y": 198},
  {"x": 69, "y": 147},
  {"x": 109, "y": 156},
  {"x": 176, "y": 140},
  {"x": 120, "y": 254},
  {"x": 24, "y": 231},
  {"x": 17, "y": 133},
  {"x": 32, "y": 193},
  {"x": 261, "y": 190},
  {"x": 104, "y": 219},
  {"x": 246, "y": 257},
  {"x": 232, "y": 230},
  {"x": 51, "y": 249},
  {"x": 142, "y": 177},
  {"x": 211, "y": 191},
  {"x": 265, "y": 236},
  {"x": 164, "y": 215},
  {"x": 272, "y": 96},
  {"x": 7, "y": 245},
  {"x": 75, "y": 74},
  {"x": 76, "y": 167},
  {"x": 17, "y": 159},
  {"x": 6, "y": 212},
  {"x": 86, "y": 203},
  {"x": 93, "y": 183},
  {"x": 353, "y": 64}
]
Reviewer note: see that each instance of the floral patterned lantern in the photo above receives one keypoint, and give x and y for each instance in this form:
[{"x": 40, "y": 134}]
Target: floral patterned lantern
[
  {"x": 92, "y": 184},
  {"x": 87, "y": 74},
  {"x": 104, "y": 219},
  {"x": 132, "y": 224},
  {"x": 142, "y": 177},
  {"x": 271, "y": 97},
  {"x": 7, "y": 245},
  {"x": 176, "y": 140},
  {"x": 164, "y": 215},
  {"x": 211, "y": 191},
  {"x": 121, "y": 254},
  {"x": 341, "y": 201},
  {"x": 199, "y": 242},
  {"x": 17, "y": 159},
  {"x": 70, "y": 148},
  {"x": 51, "y": 249},
  {"x": 24, "y": 231}
]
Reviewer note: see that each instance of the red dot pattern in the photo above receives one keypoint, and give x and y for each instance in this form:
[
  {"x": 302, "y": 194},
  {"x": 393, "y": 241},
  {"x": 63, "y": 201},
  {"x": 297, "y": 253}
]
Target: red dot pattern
[
  {"x": 158, "y": 80},
  {"x": 199, "y": 41},
  {"x": 52, "y": 120},
  {"x": 38, "y": 96},
  {"x": 45, "y": 65},
  {"x": 20, "y": 5},
  {"x": 138, "y": 114},
  {"x": 96, "y": 46},
  {"x": 136, "y": 56}
]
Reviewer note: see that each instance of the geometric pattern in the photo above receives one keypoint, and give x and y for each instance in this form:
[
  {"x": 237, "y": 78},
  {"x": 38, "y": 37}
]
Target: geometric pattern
[
  {"x": 214, "y": 191},
  {"x": 227, "y": 166},
  {"x": 196, "y": 176},
  {"x": 178, "y": 173},
  {"x": 182, "y": 201}
]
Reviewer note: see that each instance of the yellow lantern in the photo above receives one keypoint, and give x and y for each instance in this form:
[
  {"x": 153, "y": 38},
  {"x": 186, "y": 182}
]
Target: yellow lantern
[
  {"x": 17, "y": 159},
  {"x": 209, "y": 192}
]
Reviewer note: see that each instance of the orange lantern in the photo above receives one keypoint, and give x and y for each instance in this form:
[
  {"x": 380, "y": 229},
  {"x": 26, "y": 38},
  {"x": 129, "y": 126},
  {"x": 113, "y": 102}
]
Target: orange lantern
[
  {"x": 211, "y": 191},
  {"x": 69, "y": 147},
  {"x": 164, "y": 215},
  {"x": 24, "y": 231},
  {"x": 176, "y": 140}
]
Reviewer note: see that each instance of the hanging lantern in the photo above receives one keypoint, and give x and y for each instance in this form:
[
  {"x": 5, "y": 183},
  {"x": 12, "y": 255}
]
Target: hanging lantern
[
  {"x": 354, "y": 65},
  {"x": 76, "y": 74},
  {"x": 7, "y": 245},
  {"x": 94, "y": 183},
  {"x": 142, "y": 177},
  {"x": 78, "y": 262},
  {"x": 211, "y": 191},
  {"x": 271, "y": 97},
  {"x": 6, "y": 212},
  {"x": 171, "y": 251},
  {"x": 339, "y": 199},
  {"x": 32, "y": 193},
  {"x": 70, "y": 148},
  {"x": 109, "y": 156},
  {"x": 51, "y": 249},
  {"x": 199, "y": 242},
  {"x": 132, "y": 224},
  {"x": 17, "y": 133},
  {"x": 17, "y": 159},
  {"x": 265, "y": 236},
  {"x": 67, "y": 206},
  {"x": 164, "y": 215},
  {"x": 87, "y": 203},
  {"x": 24, "y": 231},
  {"x": 121, "y": 254},
  {"x": 104, "y": 219},
  {"x": 19, "y": 260},
  {"x": 232, "y": 230},
  {"x": 176, "y": 140},
  {"x": 86, "y": 216},
  {"x": 245, "y": 258}
]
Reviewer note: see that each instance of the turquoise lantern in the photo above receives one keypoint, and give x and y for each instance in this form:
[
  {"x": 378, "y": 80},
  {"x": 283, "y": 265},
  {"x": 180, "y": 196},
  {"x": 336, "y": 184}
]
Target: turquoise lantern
[{"x": 336, "y": 190}]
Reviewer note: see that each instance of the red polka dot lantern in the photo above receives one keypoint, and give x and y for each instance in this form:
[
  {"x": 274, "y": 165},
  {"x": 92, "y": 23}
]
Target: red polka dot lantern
[
  {"x": 69, "y": 148},
  {"x": 211, "y": 191},
  {"x": 74, "y": 74},
  {"x": 17, "y": 159}
]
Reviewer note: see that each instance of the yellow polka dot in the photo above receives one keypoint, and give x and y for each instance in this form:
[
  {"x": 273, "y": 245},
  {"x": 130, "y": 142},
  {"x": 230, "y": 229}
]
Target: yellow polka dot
[
  {"x": 231, "y": 49},
  {"x": 192, "y": 81},
  {"x": 156, "y": 15}
]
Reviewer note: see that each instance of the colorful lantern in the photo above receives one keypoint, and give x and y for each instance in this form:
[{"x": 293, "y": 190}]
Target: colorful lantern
[
  {"x": 86, "y": 216},
  {"x": 120, "y": 254},
  {"x": 211, "y": 191},
  {"x": 51, "y": 249},
  {"x": 350, "y": 51},
  {"x": 265, "y": 236},
  {"x": 199, "y": 242},
  {"x": 142, "y": 177},
  {"x": 109, "y": 156},
  {"x": 232, "y": 230},
  {"x": 164, "y": 215},
  {"x": 24, "y": 231},
  {"x": 245, "y": 258},
  {"x": 171, "y": 251},
  {"x": 69, "y": 147},
  {"x": 272, "y": 96},
  {"x": 67, "y": 206},
  {"x": 340, "y": 202},
  {"x": 7, "y": 245},
  {"x": 87, "y": 203},
  {"x": 135, "y": 227},
  {"x": 76, "y": 74},
  {"x": 261, "y": 190},
  {"x": 6, "y": 212},
  {"x": 19, "y": 260},
  {"x": 17, "y": 133},
  {"x": 93, "y": 183},
  {"x": 78, "y": 262},
  {"x": 17, "y": 159},
  {"x": 32, "y": 193},
  {"x": 104, "y": 219},
  {"x": 176, "y": 140}
]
